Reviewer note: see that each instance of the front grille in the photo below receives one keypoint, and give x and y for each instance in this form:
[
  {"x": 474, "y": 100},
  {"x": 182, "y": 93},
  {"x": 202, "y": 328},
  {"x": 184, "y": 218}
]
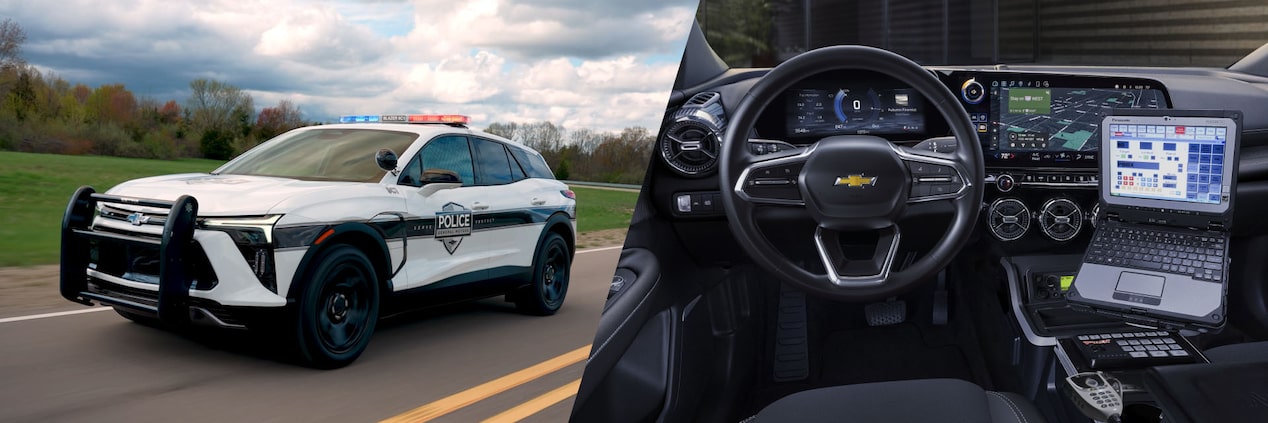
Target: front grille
[
  {"x": 141, "y": 263},
  {"x": 135, "y": 218},
  {"x": 127, "y": 293}
]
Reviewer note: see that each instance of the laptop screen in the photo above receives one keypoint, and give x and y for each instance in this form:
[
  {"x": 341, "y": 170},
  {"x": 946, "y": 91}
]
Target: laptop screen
[
  {"x": 1166, "y": 162},
  {"x": 1169, "y": 162}
]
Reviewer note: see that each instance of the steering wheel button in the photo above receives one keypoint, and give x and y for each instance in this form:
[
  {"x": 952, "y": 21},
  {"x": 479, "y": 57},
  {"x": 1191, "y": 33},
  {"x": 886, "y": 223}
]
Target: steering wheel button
[
  {"x": 920, "y": 190},
  {"x": 926, "y": 169},
  {"x": 772, "y": 181}
]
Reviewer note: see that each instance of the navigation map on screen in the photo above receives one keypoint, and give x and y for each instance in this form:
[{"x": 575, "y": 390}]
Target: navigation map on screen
[{"x": 1061, "y": 119}]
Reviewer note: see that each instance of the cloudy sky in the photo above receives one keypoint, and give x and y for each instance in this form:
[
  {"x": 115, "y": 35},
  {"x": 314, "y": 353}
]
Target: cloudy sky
[{"x": 599, "y": 64}]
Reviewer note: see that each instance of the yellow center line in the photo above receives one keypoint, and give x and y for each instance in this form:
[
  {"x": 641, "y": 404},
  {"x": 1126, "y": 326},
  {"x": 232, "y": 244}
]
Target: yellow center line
[
  {"x": 485, "y": 390},
  {"x": 536, "y": 405}
]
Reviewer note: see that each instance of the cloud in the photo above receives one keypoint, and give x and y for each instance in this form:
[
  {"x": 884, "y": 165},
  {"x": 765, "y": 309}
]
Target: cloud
[
  {"x": 320, "y": 37},
  {"x": 591, "y": 64}
]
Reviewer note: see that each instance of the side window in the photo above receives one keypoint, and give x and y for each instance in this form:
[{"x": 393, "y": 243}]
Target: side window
[
  {"x": 442, "y": 159},
  {"x": 491, "y": 163},
  {"x": 533, "y": 164},
  {"x": 412, "y": 174},
  {"x": 517, "y": 170}
]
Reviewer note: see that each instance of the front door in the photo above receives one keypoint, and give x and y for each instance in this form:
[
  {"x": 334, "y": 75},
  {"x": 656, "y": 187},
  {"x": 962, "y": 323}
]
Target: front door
[{"x": 443, "y": 200}]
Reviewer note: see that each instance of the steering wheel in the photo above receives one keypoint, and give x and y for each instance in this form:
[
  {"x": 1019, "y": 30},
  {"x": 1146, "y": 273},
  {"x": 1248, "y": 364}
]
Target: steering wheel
[{"x": 851, "y": 183}]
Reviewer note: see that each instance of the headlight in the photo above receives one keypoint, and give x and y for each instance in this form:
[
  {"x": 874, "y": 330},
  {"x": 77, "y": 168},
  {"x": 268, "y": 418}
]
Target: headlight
[
  {"x": 256, "y": 230},
  {"x": 254, "y": 236}
]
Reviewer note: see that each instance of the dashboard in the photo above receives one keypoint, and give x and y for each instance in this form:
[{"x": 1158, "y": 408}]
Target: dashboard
[
  {"x": 1037, "y": 126},
  {"x": 1022, "y": 119},
  {"x": 1039, "y": 133}
]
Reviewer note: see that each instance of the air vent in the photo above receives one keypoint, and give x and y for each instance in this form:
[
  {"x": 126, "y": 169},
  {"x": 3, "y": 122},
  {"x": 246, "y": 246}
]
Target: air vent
[
  {"x": 690, "y": 143},
  {"x": 1008, "y": 219},
  {"x": 1060, "y": 219},
  {"x": 703, "y": 99},
  {"x": 1096, "y": 212}
]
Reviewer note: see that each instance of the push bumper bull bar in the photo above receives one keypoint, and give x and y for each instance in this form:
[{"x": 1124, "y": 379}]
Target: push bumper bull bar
[{"x": 174, "y": 279}]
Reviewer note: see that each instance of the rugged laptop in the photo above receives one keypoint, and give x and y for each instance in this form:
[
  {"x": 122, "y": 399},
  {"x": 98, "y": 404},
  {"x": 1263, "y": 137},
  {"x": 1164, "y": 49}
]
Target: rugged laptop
[{"x": 1159, "y": 256}]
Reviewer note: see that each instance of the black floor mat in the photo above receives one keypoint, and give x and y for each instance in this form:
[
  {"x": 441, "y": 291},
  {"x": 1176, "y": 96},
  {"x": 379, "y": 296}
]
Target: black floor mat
[{"x": 896, "y": 352}]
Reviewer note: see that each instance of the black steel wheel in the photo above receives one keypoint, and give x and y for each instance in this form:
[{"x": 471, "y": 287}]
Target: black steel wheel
[
  {"x": 337, "y": 310},
  {"x": 551, "y": 270}
]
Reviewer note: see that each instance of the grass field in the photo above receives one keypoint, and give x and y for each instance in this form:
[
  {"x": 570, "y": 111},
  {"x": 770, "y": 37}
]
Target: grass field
[
  {"x": 34, "y": 189},
  {"x": 599, "y": 209}
]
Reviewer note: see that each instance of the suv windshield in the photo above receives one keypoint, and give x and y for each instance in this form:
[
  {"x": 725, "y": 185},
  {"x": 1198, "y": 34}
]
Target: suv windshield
[
  {"x": 763, "y": 33},
  {"x": 326, "y": 154}
]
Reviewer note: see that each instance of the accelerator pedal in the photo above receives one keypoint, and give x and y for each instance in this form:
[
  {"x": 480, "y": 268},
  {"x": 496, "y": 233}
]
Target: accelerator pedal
[
  {"x": 792, "y": 352},
  {"x": 890, "y": 312}
]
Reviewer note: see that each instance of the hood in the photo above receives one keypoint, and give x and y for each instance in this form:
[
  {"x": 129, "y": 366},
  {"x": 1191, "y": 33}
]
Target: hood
[{"x": 224, "y": 195}]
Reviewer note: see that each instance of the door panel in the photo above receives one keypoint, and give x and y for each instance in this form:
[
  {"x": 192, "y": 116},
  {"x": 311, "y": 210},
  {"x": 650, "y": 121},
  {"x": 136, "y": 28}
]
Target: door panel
[
  {"x": 506, "y": 212},
  {"x": 442, "y": 241}
]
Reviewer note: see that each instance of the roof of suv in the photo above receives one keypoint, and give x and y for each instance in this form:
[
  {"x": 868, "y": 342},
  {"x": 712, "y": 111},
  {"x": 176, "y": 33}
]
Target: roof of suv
[{"x": 423, "y": 129}]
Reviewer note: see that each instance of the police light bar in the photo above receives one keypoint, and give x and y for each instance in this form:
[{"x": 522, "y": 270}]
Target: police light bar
[
  {"x": 359, "y": 119},
  {"x": 446, "y": 119}
]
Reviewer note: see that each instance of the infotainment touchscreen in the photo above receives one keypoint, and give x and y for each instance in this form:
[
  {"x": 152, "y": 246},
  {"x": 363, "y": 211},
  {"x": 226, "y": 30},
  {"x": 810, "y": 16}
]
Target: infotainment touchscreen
[{"x": 1059, "y": 123}]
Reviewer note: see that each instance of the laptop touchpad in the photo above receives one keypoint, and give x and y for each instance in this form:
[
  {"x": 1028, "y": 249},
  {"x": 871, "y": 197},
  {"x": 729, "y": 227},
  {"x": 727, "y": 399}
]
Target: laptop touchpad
[{"x": 1141, "y": 284}]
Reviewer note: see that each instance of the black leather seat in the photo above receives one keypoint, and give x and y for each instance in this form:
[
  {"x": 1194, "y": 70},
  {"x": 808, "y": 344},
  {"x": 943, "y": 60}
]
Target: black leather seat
[
  {"x": 925, "y": 400},
  {"x": 1250, "y": 352}
]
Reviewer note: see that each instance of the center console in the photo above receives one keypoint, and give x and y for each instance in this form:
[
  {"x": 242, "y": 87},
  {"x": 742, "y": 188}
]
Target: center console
[
  {"x": 1083, "y": 345},
  {"x": 1113, "y": 372},
  {"x": 1038, "y": 285}
]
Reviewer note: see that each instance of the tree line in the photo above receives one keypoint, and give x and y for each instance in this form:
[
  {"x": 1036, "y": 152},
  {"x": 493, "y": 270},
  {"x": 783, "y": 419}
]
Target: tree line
[
  {"x": 44, "y": 113},
  {"x": 584, "y": 154}
]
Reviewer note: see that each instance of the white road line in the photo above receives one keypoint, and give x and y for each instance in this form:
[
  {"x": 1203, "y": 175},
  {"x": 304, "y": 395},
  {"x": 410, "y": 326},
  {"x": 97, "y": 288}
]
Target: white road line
[
  {"x": 96, "y": 309},
  {"x": 595, "y": 250},
  {"x": 60, "y": 313}
]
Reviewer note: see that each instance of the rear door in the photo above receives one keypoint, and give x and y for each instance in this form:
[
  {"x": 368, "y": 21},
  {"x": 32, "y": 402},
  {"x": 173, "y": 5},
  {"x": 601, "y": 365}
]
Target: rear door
[{"x": 508, "y": 213}]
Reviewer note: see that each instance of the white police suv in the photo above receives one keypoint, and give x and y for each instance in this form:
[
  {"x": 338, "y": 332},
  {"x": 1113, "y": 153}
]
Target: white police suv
[{"x": 313, "y": 231}]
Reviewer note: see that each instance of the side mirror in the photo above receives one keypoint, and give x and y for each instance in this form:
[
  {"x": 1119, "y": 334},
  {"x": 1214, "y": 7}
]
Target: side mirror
[{"x": 386, "y": 159}]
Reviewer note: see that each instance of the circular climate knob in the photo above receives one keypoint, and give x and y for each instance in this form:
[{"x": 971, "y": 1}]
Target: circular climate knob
[{"x": 1005, "y": 182}]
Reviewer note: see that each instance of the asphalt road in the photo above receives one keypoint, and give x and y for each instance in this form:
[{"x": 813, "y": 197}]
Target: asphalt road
[{"x": 467, "y": 363}]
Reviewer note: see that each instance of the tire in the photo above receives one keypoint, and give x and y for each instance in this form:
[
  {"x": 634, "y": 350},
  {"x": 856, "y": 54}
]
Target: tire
[
  {"x": 337, "y": 310},
  {"x": 551, "y": 270}
]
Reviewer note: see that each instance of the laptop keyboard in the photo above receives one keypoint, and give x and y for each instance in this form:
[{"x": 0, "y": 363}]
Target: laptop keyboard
[{"x": 1198, "y": 255}]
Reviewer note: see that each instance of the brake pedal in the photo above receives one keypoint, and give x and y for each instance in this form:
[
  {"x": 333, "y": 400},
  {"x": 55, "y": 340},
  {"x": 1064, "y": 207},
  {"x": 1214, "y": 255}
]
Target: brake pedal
[
  {"x": 792, "y": 352},
  {"x": 890, "y": 312}
]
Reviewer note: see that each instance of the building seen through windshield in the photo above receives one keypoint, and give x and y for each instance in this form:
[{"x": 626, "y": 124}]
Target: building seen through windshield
[{"x": 762, "y": 33}]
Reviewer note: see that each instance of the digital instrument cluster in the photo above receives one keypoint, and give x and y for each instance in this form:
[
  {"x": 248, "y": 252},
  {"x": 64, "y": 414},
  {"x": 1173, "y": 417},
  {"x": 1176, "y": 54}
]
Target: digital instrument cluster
[{"x": 825, "y": 110}]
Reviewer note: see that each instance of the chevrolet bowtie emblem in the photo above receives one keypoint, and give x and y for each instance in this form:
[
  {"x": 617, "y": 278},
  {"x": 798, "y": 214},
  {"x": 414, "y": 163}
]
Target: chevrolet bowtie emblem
[
  {"x": 138, "y": 219},
  {"x": 855, "y": 181}
]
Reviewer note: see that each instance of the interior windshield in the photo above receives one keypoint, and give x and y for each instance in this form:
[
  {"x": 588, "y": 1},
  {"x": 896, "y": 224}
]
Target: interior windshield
[
  {"x": 763, "y": 33},
  {"x": 327, "y": 154}
]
